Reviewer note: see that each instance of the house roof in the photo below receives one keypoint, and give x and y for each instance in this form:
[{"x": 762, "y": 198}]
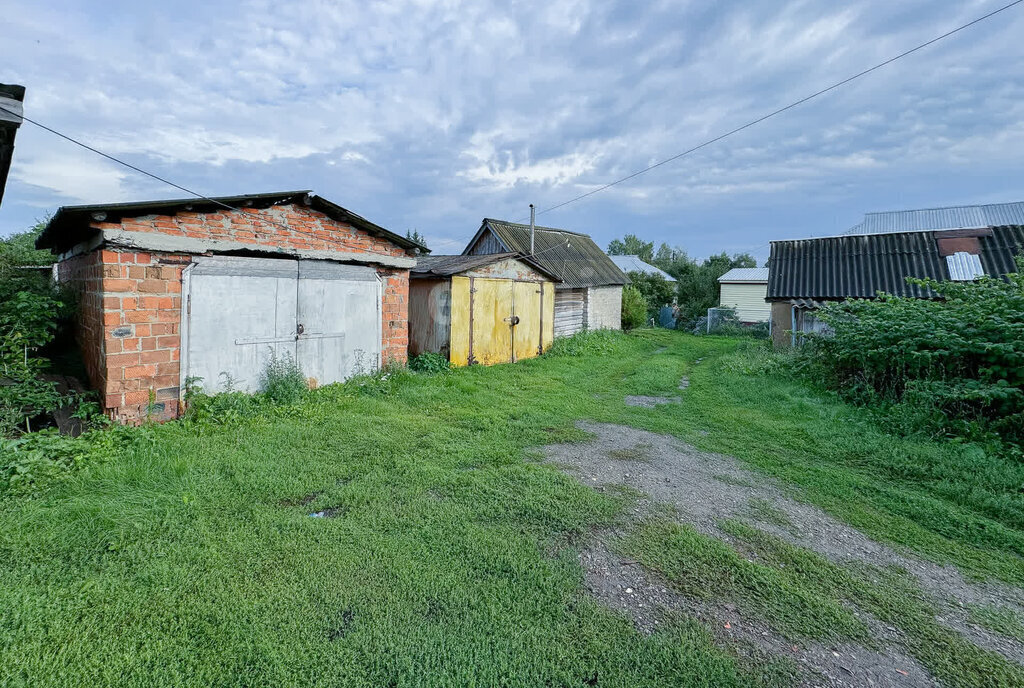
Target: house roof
[
  {"x": 73, "y": 224},
  {"x": 950, "y": 217},
  {"x": 748, "y": 275},
  {"x": 446, "y": 266},
  {"x": 859, "y": 266},
  {"x": 572, "y": 257},
  {"x": 634, "y": 264},
  {"x": 11, "y": 97}
]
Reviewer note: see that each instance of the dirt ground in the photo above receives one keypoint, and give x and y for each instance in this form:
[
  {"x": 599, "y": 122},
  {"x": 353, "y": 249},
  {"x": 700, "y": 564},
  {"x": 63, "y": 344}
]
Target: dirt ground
[{"x": 704, "y": 489}]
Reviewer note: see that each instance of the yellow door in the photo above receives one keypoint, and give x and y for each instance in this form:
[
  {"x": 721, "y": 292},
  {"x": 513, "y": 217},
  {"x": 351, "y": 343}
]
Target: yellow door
[
  {"x": 526, "y": 335},
  {"x": 548, "y": 315},
  {"x": 492, "y": 321},
  {"x": 459, "y": 342}
]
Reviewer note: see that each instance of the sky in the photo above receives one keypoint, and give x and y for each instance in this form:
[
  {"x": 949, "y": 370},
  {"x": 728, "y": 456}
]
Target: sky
[{"x": 431, "y": 115}]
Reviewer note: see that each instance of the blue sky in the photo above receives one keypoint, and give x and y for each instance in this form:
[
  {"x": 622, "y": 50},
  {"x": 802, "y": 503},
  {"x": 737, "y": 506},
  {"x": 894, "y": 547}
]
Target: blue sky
[{"x": 433, "y": 115}]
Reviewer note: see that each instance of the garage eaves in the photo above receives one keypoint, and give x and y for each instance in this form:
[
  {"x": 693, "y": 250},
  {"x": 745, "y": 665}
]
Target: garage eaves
[{"x": 73, "y": 225}]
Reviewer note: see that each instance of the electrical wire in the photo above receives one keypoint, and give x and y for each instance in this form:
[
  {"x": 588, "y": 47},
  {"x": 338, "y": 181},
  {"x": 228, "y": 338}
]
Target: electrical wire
[
  {"x": 783, "y": 109},
  {"x": 158, "y": 177}
]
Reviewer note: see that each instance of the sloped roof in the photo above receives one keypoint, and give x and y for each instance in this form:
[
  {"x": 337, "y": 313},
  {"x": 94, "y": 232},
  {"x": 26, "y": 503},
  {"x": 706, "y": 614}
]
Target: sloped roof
[
  {"x": 859, "y": 266},
  {"x": 950, "y": 217},
  {"x": 572, "y": 257},
  {"x": 634, "y": 264},
  {"x": 73, "y": 223},
  {"x": 11, "y": 97},
  {"x": 446, "y": 266},
  {"x": 753, "y": 275}
]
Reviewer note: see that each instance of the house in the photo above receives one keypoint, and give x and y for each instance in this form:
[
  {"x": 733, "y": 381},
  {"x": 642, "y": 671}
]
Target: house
[
  {"x": 11, "y": 97},
  {"x": 588, "y": 293},
  {"x": 744, "y": 290},
  {"x": 213, "y": 289},
  {"x": 493, "y": 308},
  {"x": 633, "y": 264},
  {"x": 806, "y": 273}
]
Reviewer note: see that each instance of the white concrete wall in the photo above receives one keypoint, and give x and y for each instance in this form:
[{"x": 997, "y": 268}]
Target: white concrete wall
[
  {"x": 604, "y": 308},
  {"x": 748, "y": 300}
]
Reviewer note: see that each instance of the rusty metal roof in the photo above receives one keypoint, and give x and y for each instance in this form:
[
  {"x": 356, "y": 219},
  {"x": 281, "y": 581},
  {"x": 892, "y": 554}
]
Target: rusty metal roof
[
  {"x": 859, "y": 266},
  {"x": 446, "y": 266},
  {"x": 73, "y": 223},
  {"x": 574, "y": 258}
]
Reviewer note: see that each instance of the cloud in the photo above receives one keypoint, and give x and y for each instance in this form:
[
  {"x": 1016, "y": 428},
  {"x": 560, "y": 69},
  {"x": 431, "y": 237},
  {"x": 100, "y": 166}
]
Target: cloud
[{"x": 431, "y": 114}]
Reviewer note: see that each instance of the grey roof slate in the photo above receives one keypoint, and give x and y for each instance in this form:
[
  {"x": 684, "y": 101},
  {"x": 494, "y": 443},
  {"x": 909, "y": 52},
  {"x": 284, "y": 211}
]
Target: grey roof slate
[
  {"x": 447, "y": 265},
  {"x": 573, "y": 257}
]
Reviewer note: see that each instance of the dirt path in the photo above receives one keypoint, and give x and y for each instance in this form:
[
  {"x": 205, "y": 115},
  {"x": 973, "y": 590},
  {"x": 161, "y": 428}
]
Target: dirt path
[{"x": 705, "y": 489}]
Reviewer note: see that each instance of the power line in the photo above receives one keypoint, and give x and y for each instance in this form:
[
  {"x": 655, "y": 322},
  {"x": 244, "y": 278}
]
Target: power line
[
  {"x": 783, "y": 109},
  {"x": 155, "y": 176}
]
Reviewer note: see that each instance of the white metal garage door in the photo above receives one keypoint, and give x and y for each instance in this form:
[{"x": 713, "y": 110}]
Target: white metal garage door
[{"x": 242, "y": 311}]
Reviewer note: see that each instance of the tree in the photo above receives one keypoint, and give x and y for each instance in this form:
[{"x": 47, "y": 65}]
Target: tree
[
  {"x": 414, "y": 235},
  {"x": 698, "y": 287},
  {"x": 656, "y": 290},
  {"x": 634, "y": 308},
  {"x": 632, "y": 245}
]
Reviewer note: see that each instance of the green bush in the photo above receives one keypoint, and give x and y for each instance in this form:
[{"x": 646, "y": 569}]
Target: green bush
[
  {"x": 283, "y": 381},
  {"x": 429, "y": 362},
  {"x": 949, "y": 366},
  {"x": 634, "y": 308},
  {"x": 656, "y": 290}
]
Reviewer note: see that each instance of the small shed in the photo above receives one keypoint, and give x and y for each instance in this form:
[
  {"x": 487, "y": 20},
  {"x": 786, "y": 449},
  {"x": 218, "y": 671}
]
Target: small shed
[
  {"x": 494, "y": 308},
  {"x": 588, "y": 294},
  {"x": 744, "y": 290},
  {"x": 172, "y": 291}
]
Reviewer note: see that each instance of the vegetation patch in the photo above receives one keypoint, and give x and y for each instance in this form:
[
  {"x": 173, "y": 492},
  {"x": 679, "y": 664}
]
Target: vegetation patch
[{"x": 998, "y": 619}]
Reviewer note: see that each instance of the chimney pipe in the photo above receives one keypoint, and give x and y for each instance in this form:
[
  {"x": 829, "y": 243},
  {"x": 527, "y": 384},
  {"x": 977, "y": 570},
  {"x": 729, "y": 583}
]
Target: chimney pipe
[{"x": 533, "y": 229}]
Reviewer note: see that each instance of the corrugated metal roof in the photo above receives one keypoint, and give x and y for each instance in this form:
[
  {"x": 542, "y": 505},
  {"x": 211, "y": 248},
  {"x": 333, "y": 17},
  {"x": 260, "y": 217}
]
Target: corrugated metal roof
[
  {"x": 11, "y": 97},
  {"x": 634, "y": 264},
  {"x": 952, "y": 217},
  {"x": 745, "y": 275},
  {"x": 445, "y": 266},
  {"x": 72, "y": 223},
  {"x": 859, "y": 266},
  {"x": 964, "y": 267},
  {"x": 573, "y": 257}
]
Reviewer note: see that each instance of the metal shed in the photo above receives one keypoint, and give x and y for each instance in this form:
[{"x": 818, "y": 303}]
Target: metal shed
[{"x": 495, "y": 308}]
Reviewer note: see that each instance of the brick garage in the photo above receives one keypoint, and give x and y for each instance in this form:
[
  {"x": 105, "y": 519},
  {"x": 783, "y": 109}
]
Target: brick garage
[{"x": 129, "y": 263}]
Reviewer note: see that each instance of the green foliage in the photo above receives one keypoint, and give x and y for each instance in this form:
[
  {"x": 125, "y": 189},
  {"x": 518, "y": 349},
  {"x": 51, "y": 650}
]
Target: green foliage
[
  {"x": 283, "y": 381},
  {"x": 634, "y": 308},
  {"x": 950, "y": 366},
  {"x": 429, "y": 362},
  {"x": 632, "y": 245},
  {"x": 656, "y": 290},
  {"x": 32, "y": 310},
  {"x": 725, "y": 323},
  {"x": 414, "y": 235},
  {"x": 585, "y": 343}
]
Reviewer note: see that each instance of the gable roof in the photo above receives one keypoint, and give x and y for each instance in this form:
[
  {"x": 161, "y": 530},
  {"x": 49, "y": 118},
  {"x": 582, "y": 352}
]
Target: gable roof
[
  {"x": 859, "y": 266},
  {"x": 73, "y": 223},
  {"x": 446, "y": 266},
  {"x": 572, "y": 257},
  {"x": 634, "y": 264},
  {"x": 745, "y": 275},
  {"x": 950, "y": 217}
]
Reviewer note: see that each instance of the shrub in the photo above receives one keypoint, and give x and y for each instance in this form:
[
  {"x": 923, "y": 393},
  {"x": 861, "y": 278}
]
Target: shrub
[
  {"x": 283, "y": 381},
  {"x": 634, "y": 308},
  {"x": 950, "y": 366},
  {"x": 656, "y": 290},
  {"x": 429, "y": 362}
]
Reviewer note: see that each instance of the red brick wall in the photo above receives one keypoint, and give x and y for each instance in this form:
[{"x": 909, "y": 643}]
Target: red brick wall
[
  {"x": 395, "y": 349},
  {"x": 262, "y": 228},
  {"x": 130, "y": 317}
]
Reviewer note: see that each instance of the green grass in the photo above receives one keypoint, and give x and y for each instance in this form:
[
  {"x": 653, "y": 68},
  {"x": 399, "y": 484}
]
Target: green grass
[
  {"x": 190, "y": 558},
  {"x": 998, "y": 619}
]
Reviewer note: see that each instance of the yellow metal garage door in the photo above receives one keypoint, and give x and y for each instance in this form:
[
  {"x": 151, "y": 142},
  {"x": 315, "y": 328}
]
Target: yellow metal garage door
[{"x": 498, "y": 320}]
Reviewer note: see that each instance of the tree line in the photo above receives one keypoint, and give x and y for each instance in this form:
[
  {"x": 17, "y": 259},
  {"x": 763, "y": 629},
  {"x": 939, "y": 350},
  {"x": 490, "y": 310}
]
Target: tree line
[{"x": 696, "y": 287}]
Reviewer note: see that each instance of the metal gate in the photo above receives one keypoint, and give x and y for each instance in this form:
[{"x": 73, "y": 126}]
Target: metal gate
[
  {"x": 242, "y": 312},
  {"x": 498, "y": 320}
]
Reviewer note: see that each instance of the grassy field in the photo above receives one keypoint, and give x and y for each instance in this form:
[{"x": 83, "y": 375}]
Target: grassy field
[{"x": 191, "y": 559}]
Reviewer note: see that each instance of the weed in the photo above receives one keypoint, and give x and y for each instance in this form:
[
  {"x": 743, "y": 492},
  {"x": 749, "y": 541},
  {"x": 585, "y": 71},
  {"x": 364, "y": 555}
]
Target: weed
[
  {"x": 766, "y": 512},
  {"x": 283, "y": 381},
  {"x": 429, "y": 362}
]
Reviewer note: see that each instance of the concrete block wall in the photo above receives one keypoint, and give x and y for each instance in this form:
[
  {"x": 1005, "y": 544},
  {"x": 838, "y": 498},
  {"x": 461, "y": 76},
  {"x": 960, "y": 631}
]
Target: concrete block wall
[{"x": 604, "y": 308}]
